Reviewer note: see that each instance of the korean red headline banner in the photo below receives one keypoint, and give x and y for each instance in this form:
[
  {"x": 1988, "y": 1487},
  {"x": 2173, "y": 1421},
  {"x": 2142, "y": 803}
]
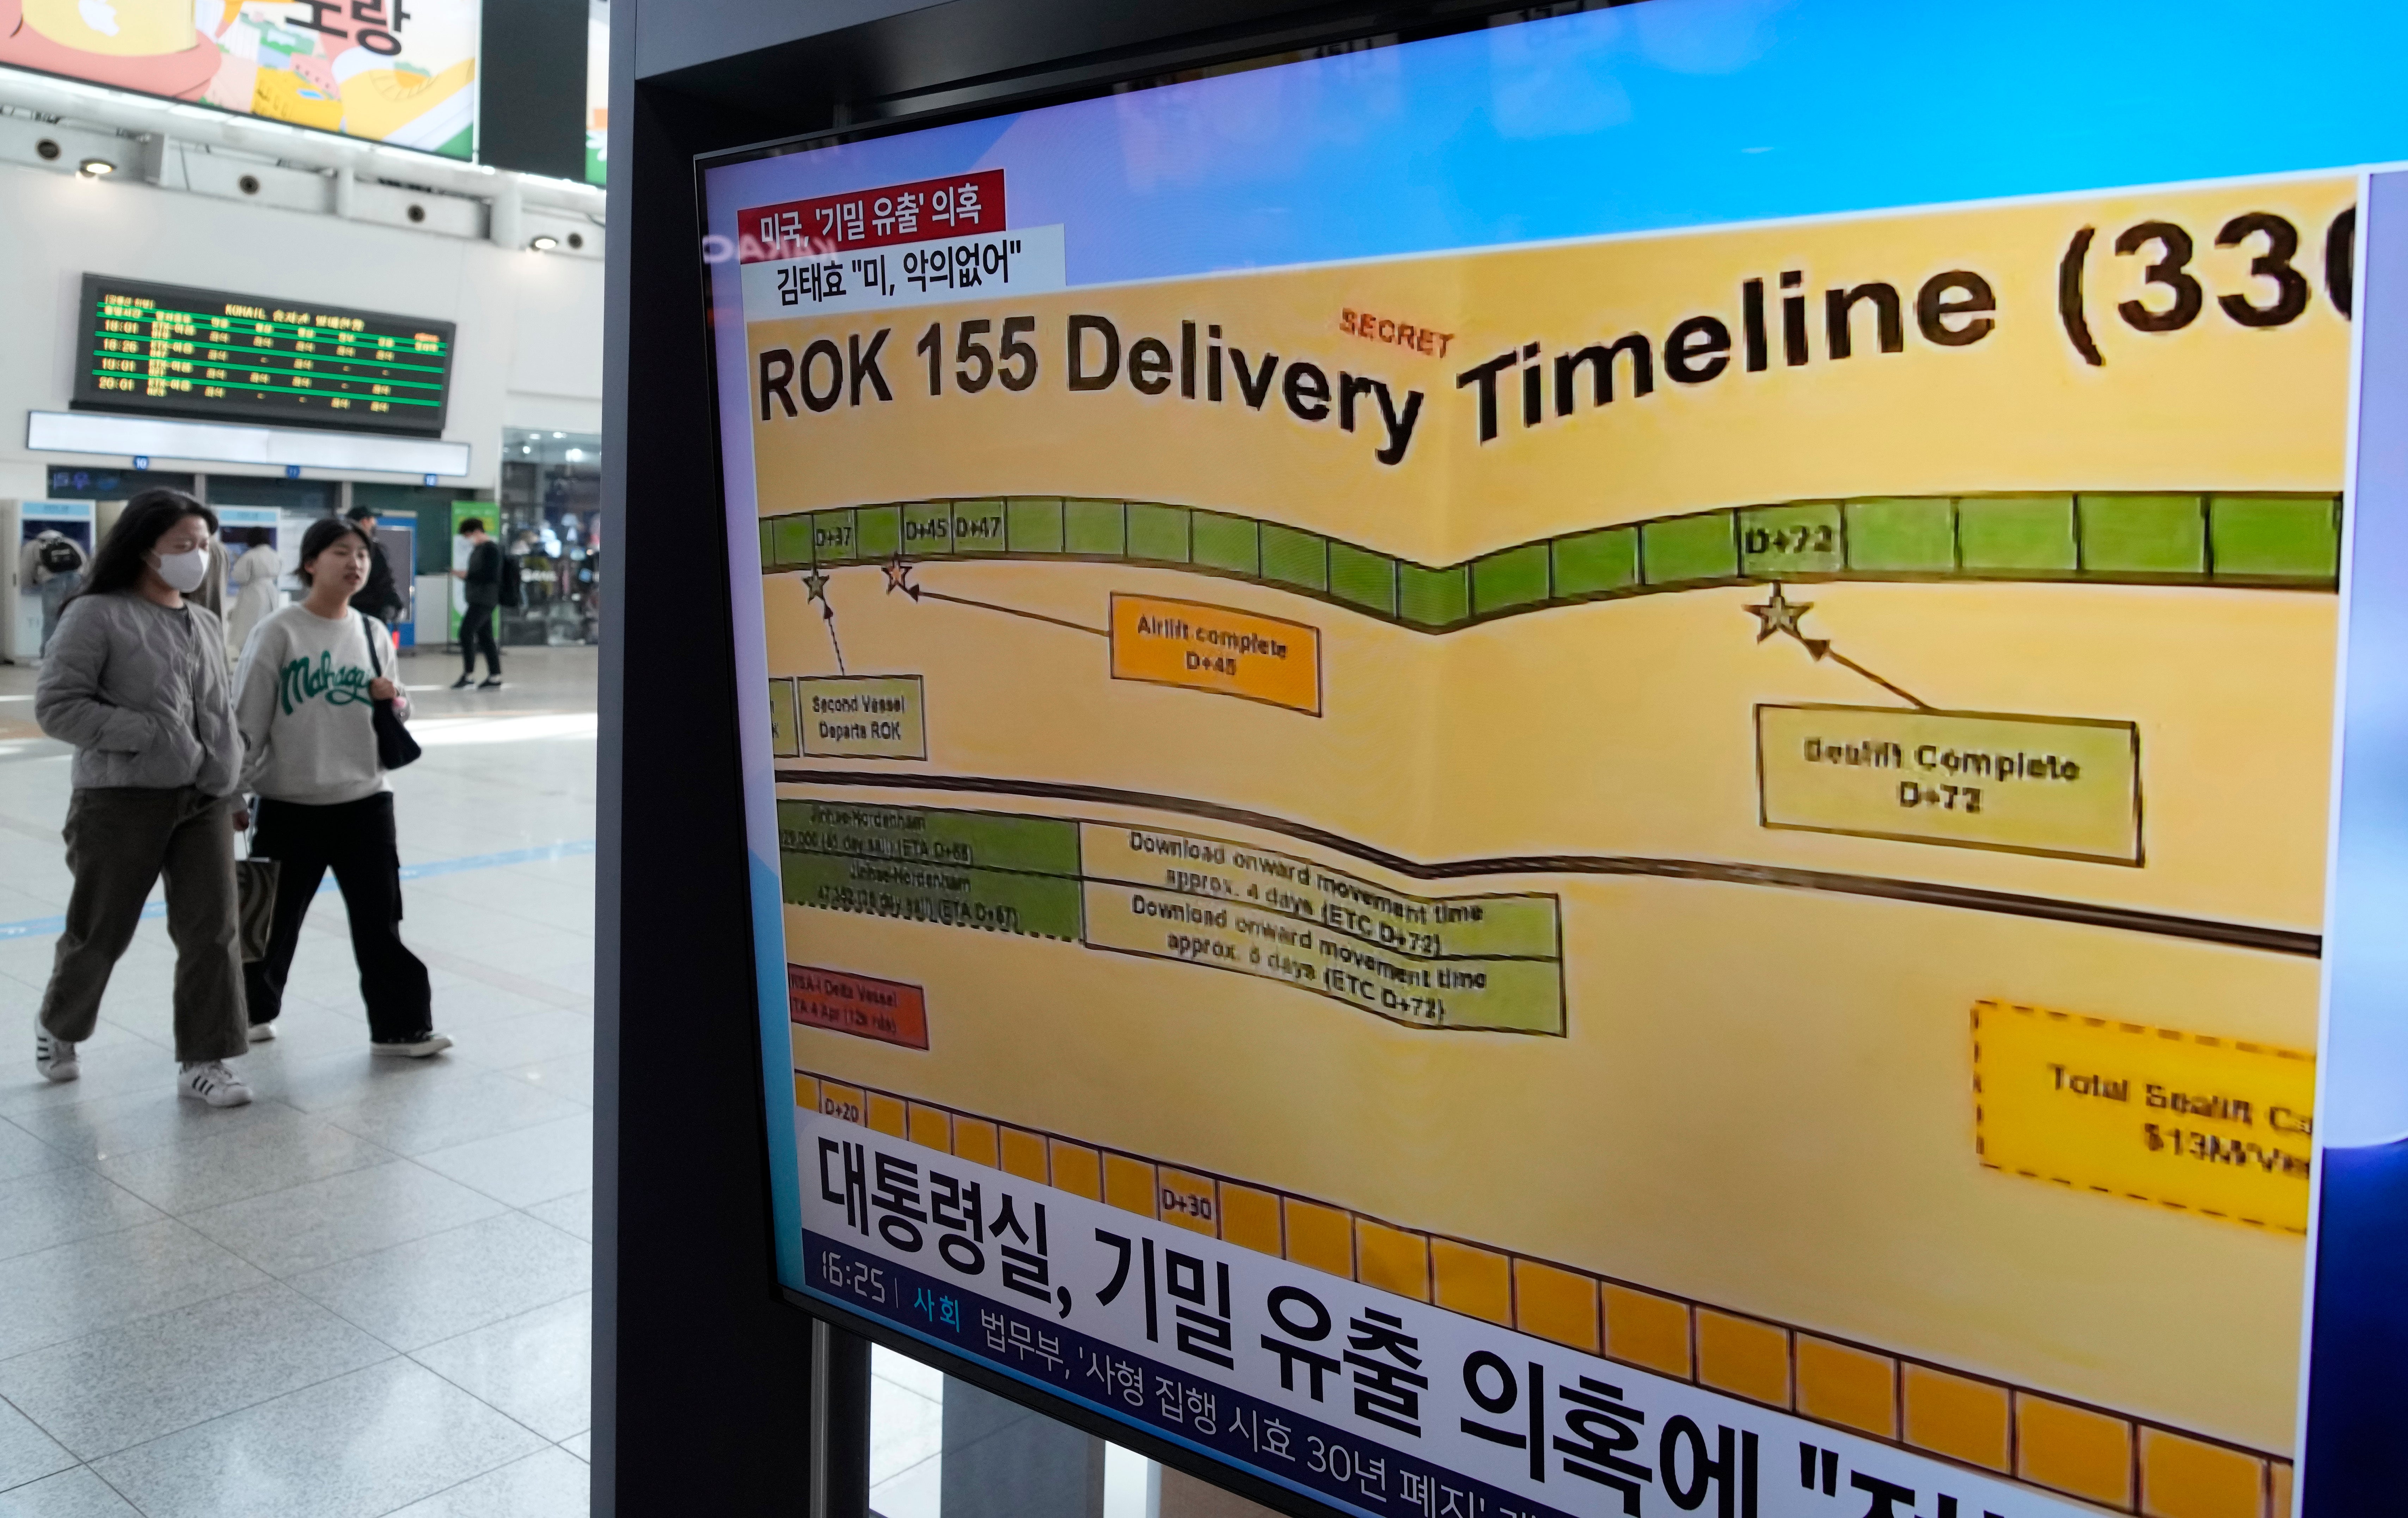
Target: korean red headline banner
[{"x": 874, "y": 218}]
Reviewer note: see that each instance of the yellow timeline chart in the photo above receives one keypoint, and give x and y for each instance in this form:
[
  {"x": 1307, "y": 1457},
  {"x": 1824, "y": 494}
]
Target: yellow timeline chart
[{"x": 1546, "y": 815}]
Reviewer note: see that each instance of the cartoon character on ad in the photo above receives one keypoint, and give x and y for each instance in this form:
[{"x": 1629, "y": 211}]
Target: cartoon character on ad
[{"x": 367, "y": 68}]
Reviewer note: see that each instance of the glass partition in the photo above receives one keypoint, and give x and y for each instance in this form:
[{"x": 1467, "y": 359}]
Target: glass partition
[{"x": 550, "y": 523}]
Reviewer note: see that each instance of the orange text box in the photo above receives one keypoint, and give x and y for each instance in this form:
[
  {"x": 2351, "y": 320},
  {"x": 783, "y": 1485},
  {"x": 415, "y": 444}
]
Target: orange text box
[
  {"x": 1217, "y": 649},
  {"x": 889, "y": 1012}
]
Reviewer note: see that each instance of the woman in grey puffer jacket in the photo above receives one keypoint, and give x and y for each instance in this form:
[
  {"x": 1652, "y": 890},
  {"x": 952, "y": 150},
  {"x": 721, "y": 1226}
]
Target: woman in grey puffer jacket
[{"x": 136, "y": 679}]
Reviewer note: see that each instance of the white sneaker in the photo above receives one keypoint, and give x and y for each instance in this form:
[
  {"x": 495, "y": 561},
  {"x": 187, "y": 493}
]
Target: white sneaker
[
  {"x": 426, "y": 1043},
  {"x": 210, "y": 1081},
  {"x": 54, "y": 1058},
  {"x": 262, "y": 1032}
]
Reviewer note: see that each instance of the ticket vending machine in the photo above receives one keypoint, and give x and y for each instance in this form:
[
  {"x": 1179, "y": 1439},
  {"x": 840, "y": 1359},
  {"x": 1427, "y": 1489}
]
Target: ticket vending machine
[
  {"x": 39, "y": 536},
  {"x": 399, "y": 540},
  {"x": 242, "y": 528},
  {"x": 245, "y": 531}
]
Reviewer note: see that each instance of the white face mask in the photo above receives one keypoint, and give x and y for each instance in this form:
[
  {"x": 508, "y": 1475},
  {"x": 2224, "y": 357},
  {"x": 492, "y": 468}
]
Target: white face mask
[{"x": 186, "y": 571}]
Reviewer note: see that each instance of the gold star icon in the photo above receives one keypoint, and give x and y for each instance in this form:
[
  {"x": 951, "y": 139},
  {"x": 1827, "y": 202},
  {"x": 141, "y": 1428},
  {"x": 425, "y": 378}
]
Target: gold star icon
[
  {"x": 898, "y": 578},
  {"x": 815, "y": 581},
  {"x": 1780, "y": 615}
]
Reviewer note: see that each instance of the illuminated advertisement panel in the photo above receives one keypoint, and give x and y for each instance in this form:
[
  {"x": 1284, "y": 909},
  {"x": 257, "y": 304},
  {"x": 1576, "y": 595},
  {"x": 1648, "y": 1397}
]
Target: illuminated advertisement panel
[
  {"x": 1543, "y": 773},
  {"x": 390, "y": 71}
]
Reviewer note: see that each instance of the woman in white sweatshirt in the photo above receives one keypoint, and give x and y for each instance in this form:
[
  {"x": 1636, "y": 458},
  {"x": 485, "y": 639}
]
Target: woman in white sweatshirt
[{"x": 304, "y": 699}]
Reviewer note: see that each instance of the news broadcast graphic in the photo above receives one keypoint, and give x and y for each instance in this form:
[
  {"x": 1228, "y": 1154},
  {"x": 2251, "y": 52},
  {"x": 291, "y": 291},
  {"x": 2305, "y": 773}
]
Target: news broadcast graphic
[{"x": 1500, "y": 778}]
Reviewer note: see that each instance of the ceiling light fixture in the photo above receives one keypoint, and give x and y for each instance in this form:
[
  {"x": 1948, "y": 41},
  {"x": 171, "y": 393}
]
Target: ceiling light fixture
[
  {"x": 545, "y": 244},
  {"x": 94, "y": 168}
]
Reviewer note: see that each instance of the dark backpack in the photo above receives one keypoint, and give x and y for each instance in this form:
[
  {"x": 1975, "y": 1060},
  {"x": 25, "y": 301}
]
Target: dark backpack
[
  {"x": 61, "y": 557},
  {"x": 511, "y": 590}
]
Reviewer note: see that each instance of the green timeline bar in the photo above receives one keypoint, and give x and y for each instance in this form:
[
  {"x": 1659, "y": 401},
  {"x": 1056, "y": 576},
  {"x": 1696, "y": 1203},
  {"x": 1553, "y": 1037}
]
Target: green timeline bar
[
  {"x": 979, "y": 870},
  {"x": 1038, "y": 906},
  {"x": 2282, "y": 541},
  {"x": 918, "y": 834},
  {"x": 1392, "y": 953}
]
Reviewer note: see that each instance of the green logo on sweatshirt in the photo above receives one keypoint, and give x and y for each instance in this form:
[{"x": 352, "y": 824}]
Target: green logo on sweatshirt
[{"x": 303, "y": 680}]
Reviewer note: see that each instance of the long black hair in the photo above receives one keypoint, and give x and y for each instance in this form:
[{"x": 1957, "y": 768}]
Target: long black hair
[
  {"x": 323, "y": 532},
  {"x": 122, "y": 556}
]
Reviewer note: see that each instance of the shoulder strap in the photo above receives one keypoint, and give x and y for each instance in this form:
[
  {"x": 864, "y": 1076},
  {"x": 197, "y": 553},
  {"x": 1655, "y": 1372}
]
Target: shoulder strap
[{"x": 368, "y": 631}]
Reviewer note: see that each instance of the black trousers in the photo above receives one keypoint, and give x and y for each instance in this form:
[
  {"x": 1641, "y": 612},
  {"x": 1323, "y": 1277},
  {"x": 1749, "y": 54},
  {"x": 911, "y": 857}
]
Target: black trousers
[
  {"x": 475, "y": 631},
  {"x": 355, "y": 840}
]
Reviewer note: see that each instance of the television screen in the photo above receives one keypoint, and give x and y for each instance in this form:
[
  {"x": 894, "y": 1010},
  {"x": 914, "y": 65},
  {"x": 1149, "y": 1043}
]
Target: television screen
[
  {"x": 1577, "y": 768},
  {"x": 393, "y": 72},
  {"x": 169, "y": 351}
]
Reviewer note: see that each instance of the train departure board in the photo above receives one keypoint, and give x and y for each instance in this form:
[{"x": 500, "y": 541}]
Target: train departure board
[{"x": 173, "y": 351}]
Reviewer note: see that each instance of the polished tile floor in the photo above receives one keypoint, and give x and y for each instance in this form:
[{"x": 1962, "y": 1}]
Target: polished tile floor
[
  {"x": 369, "y": 1292},
  {"x": 907, "y": 1448},
  {"x": 907, "y": 1437}
]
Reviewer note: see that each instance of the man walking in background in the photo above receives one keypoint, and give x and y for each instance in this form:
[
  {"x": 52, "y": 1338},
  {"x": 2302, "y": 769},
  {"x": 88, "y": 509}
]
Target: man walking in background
[
  {"x": 380, "y": 597},
  {"x": 482, "y": 583}
]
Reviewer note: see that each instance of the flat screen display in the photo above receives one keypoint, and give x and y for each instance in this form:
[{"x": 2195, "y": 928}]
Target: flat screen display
[
  {"x": 170, "y": 351},
  {"x": 402, "y": 72},
  {"x": 1560, "y": 772}
]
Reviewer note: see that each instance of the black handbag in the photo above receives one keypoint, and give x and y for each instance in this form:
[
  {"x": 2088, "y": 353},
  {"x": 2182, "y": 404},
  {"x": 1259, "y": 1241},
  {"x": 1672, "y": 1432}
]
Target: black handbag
[{"x": 396, "y": 747}]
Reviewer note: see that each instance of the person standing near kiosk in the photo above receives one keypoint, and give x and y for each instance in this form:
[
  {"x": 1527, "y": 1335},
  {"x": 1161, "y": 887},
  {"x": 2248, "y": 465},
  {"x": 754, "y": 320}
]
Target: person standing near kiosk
[{"x": 54, "y": 563}]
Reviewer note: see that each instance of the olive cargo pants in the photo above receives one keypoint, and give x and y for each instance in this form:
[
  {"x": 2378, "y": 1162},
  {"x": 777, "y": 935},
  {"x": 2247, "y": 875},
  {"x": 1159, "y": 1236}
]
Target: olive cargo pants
[{"x": 119, "y": 840}]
